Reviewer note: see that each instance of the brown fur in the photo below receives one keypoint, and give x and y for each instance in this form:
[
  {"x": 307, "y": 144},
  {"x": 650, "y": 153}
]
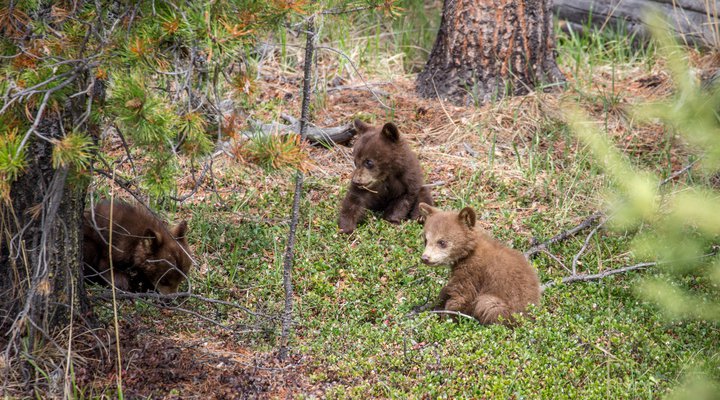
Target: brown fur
[
  {"x": 487, "y": 279},
  {"x": 146, "y": 255},
  {"x": 387, "y": 178}
]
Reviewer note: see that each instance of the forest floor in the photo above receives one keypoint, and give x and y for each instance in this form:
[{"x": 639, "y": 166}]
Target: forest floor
[{"x": 515, "y": 161}]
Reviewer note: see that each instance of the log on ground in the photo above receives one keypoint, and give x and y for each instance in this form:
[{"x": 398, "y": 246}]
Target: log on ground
[{"x": 695, "y": 21}]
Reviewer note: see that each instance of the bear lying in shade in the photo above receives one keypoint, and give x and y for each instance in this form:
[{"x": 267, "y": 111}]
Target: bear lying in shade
[{"x": 146, "y": 253}]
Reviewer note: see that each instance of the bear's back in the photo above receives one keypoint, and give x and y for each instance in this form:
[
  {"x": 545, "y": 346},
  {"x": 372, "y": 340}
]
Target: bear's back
[
  {"x": 130, "y": 225},
  {"x": 502, "y": 272}
]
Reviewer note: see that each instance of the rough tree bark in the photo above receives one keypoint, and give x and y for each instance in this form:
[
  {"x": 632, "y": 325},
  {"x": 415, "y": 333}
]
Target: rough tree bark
[{"x": 490, "y": 48}]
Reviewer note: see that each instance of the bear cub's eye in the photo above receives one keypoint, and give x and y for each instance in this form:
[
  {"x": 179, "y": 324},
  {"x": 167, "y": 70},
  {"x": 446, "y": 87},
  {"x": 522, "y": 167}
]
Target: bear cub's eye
[
  {"x": 442, "y": 244},
  {"x": 368, "y": 163}
]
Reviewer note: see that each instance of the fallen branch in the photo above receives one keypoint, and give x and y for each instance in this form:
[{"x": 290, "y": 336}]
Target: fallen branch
[
  {"x": 598, "y": 276},
  {"x": 537, "y": 248},
  {"x": 563, "y": 235},
  {"x": 557, "y": 260},
  {"x": 198, "y": 182},
  {"x": 315, "y": 135},
  {"x": 207, "y": 319},
  {"x": 470, "y": 150},
  {"x": 694, "y": 21},
  {"x": 678, "y": 173},
  {"x": 575, "y": 277}
]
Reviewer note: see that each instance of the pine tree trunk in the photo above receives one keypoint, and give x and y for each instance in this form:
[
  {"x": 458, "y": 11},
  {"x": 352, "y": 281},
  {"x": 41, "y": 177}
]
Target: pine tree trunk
[
  {"x": 488, "y": 49},
  {"x": 40, "y": 257}
]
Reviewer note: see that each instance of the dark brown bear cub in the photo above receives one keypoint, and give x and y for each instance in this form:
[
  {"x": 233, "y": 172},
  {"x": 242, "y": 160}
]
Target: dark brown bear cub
[
  {"x": 487, "y": 279},
  {"x": 146, "y": 253},
  {"x": 387, "y": 178}
]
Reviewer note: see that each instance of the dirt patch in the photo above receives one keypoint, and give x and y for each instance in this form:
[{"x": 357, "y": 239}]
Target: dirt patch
[{"x": 160, "y": 367}]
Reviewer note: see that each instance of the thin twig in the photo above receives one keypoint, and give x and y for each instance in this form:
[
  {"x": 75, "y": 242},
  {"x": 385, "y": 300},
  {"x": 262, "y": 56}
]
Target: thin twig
[
  {"x": 584, "y": 248},
  {"x": 470, "y": 150},
  {"x": 442, "y": 104},
  {"x": 123, "y": 183},
  {"x": 678, "y": 173},
  {"x": 554, "y": 257},
  {"x": 198, "y": 182},
  {"x": 338, "y": 11},
  {"x": 434, "y": 184},
  {"x": 288, "y": 257},
  {"x": 365, "y": 87},
  {"x": 127, "y": 149},
  {"x": 456, "y": 313},
  {"x": 204, "y": 318}
]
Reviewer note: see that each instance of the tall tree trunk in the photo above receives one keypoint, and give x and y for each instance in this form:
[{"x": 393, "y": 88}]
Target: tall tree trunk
[
  {"x": 41, "y": 255},
  {"x": 487, "y": 49}
]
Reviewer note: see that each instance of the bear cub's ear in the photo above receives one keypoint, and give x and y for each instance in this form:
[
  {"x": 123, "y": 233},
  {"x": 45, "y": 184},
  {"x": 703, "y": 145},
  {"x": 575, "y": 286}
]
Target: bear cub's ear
[
  {"x": 178, "y": 231},
  {"x": 390, "y": 131},
  {"x": 152, "y": 240},
  {"x": 426, "y": 210},
  {"x": 361, "y": 127},
  {"x": 467, "y": 217}
]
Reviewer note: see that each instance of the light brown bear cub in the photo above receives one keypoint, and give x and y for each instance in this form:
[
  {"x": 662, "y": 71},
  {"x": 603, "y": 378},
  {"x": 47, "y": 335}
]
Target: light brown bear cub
[
  {"x": 487, "y": 279},
  {"x": 387, "y": 178},
  {"x": 146, "y": 254}
]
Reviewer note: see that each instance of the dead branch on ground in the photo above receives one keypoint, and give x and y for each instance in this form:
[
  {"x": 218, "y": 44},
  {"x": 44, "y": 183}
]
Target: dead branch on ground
[
  {"x": 434, "y": 184},
  {"x": 315, "y": 135},
  {"x": 597, "y": 216},
  {"x": 598, "y": 276},
  {"x": 585, "y": 245}
]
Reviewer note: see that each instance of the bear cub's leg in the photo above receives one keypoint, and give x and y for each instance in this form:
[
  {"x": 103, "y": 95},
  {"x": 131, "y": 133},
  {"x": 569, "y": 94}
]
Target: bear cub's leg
[
  {"x": 423, "y": 197},
  {"x": 352, "y": 211},
  {"x": 488, "y": 310},
  {"x": 399, "y": 209},
  {"x": 122, "y": 281}
]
